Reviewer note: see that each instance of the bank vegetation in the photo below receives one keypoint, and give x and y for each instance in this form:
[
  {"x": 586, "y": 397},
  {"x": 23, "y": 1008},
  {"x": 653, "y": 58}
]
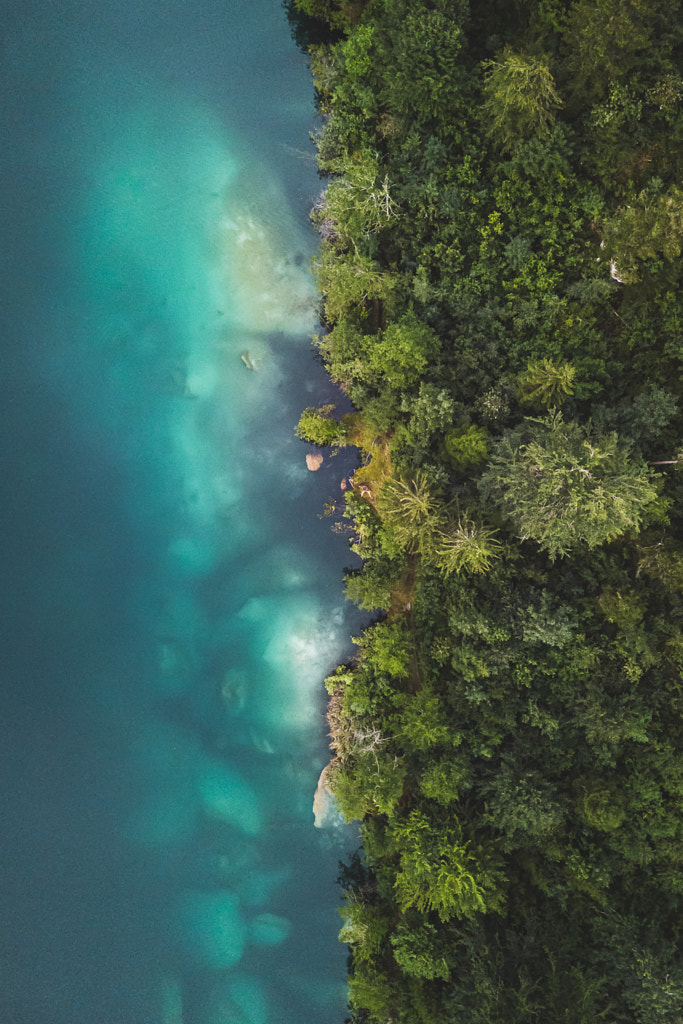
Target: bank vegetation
[{"x": 500, "y": 275}]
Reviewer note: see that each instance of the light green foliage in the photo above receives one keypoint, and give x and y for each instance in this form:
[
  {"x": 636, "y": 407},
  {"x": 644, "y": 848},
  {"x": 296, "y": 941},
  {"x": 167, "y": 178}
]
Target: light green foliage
[
  {"x": 386, "y": 648},
  {"x": 416, "y": 520},
  {"x": 319, "y": 427},
  {"x": 563, "y": 488},
  {"x": 403, "y": 350},
  {"x": 466, "y": 447},
  {"x": 348, "y": 281},
  {"x": 349, "y": 792},
  {"x": 342, "y": 350},
  {"x": 366, "y": 522},
  {"x": 621, "y": 108},
  {"x": 379, "y": 414},
  {"x": 357, "y": 50},
  {"x": 442, "y": 780},
  {"x": 419, "y": 951},
  {"x": 359, "y": 202},
  {"x": 520, "y": 97},
  {"x": 624, "y": 610},
  {"x": 650, "y": 227},
  {"x": 430, "y": 413},
  {"x": 384, "y": 779},
  {"x": 411, "y": 511},
  {"x": 368, "y": 988},
  {"x": 371, "y": 587},
  {"x": 424, "y": 723},
  {"x": 545, "y": 384},
  {"x": 338, "y": 678},
  {"x": 365, "y": 927},
  {"x": 438, "y": 871},
  {"x": 600, "y": 805},
  {"x": 465, "y": 546}
]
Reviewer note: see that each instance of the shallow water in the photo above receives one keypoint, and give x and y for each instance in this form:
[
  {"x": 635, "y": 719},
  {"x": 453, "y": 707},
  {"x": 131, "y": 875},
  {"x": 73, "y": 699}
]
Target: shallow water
[{"x": 170, "y": 599}]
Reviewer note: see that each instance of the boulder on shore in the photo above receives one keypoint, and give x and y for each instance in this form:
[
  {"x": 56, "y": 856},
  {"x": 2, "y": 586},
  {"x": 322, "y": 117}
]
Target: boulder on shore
[
  {"x": 314, "y": 460},
  {"x": 325, "y": 807}
]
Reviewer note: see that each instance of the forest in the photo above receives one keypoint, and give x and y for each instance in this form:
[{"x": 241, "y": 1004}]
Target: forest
[{"x": 500, "y": 263}]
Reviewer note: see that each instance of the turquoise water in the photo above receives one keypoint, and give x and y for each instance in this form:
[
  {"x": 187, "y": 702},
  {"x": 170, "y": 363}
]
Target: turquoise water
[{"x": 170, "y": 600}]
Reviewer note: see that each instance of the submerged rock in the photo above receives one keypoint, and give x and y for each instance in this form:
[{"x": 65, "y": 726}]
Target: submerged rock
[
  {"x": 171, "y": 1001},
  {"x": 234, "y": 688},
  {"x": 235, "y": 1000},
  {"x": 314, "y": 460},
  {"x": 225, "y": 796},
  {"x": 269, "y": 930},
  {"x": 212, "y": 932}
]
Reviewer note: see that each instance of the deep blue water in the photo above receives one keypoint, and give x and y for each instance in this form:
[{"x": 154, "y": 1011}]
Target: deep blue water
[{"x": 169, "y": 599}]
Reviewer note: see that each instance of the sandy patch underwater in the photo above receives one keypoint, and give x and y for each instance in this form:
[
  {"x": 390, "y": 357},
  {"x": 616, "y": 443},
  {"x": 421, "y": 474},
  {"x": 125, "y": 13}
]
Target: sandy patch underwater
[{"x": 164, "y": 725}]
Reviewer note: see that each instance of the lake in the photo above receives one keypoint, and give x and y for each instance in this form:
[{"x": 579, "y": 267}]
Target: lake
[{"x": 171, "y": 596}]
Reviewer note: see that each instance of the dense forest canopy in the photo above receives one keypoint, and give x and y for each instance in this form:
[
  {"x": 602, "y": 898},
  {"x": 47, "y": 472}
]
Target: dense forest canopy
[{"x": 500, "y": 270}]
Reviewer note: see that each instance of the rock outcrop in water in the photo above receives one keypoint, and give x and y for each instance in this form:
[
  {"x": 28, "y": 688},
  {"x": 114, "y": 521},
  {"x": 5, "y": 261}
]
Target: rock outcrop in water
[{"x": 325, "y": 808}]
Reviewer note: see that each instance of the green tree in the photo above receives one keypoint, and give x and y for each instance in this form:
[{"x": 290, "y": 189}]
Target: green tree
[
  {"x": 403, "y": 350},
  {"x": 466, "y": 447},
  {"x": 599, "y": 804},
  {"x": 438, "y": 871},
  {"x": 411, "y": 512},
  {"x": 466, "y": 546},
  {"x": 563, "y": 488},
  {"x": 520, "y": 98},
  {"x": 366, "y": 927},
  {"x": 348, "y": 281},
  {"x": 359, "y": 202},
  {"x": 650, "y": 227},
  {"x": 545, "y": 384},
  {"x": 387, "y": 648},
  {"x": 431, "y": 412},
  {"x": 319, "y": 427},
  {"x": 420, "y": 951},
  {"x": 424, "y": 724},
  {"x": 337, "y": 13},
  {"x": 604, "y": 37},
  {"x": 442, "y": 779},
  {"x": 372, "y": 586}
]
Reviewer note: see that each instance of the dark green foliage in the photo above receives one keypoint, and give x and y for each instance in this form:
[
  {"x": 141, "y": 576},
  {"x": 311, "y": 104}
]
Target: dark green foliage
[
  {"x": 373, "y": 585},
  {"x": 501, "y": 240}
]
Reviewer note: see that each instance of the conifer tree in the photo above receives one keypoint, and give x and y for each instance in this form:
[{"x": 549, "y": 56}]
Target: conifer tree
[{"x": 564, "y": 488}]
